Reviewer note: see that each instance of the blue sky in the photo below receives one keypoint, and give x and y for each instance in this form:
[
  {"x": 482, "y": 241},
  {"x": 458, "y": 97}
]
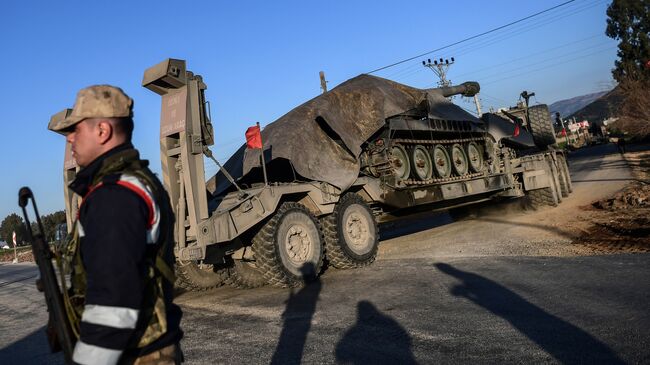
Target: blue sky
[{"x": 261, "y": 58}]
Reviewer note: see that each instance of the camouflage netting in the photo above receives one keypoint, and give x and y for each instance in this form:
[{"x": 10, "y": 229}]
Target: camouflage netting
[{"x": 322, "y": 138}]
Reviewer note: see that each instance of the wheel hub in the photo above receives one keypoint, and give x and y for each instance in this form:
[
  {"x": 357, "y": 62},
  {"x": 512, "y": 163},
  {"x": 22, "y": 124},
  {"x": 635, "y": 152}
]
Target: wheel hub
[
  {"x": 298, "y": 244},
  {"x": 356, "y": 229}
]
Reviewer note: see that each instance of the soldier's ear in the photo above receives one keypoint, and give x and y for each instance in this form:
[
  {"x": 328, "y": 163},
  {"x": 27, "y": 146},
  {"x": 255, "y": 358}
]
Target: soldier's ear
[{"x": 104, "y": 131}]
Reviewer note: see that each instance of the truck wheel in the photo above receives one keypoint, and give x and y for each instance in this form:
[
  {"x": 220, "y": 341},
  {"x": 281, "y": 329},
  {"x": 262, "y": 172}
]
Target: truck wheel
[
  {"x": 351, "y": 234},
  {"x": 421, "y": 162},
  {"x": 289, "y": 247},
  {"x": 557, "y": 178},
  {"x": 541, "y": 126},
  {"x": 564, "y": 182},
  {"x": 564, "y": 168},
  {"x": 195, "y": 277},
  {"x": 545, "y": 196},
  {"x": 244, "y": 274},
  {"x": 459, "y": 160},
  {"x": 542, "y": 197},
  {"x": 441, "y": 161}
]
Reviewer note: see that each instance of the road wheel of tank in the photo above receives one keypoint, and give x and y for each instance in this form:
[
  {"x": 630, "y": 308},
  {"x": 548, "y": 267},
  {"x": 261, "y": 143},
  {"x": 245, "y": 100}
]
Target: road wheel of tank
[
  {"x": 289, "y": 248},
  {"x": 564, "y": 168},
  {"x": 194, "y": 276},
  {"x": 244, "y": 274},
  {"x": 541, "y": 126},
  {"x": 441, "y": 161},
  {"x": 401, "y": 165},
  {"x": 351, "y": 234},
  {"x": 421, "y": 163},
  {"x": 459, "y": 160},
  {"x": 475, "y": 157}
]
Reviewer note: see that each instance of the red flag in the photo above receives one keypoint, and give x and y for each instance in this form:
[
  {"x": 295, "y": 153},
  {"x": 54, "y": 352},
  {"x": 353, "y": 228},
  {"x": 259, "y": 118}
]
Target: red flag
[
  {"x": 563, "y": 132},
  {"x": 253, "y": 137},
  {"x": 516, "y": 133}
]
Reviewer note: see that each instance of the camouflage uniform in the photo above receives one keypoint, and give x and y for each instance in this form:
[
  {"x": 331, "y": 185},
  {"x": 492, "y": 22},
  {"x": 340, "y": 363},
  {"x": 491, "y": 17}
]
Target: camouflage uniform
[{"x": 120, "y": 255}]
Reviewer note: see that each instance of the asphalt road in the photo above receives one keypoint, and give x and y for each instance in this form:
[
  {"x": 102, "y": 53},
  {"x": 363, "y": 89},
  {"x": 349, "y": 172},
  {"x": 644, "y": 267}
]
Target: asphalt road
[{"x": 476, "y": 291}]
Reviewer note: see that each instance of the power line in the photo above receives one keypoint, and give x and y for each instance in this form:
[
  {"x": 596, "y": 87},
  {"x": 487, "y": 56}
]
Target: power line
[
  {"x": 473, "y": 37},
  {"x": 553, "y": 59},
  {"x": 545, "y": 51},
  {"x": 413, "y": 70},
  {"x": 547, "y": 67}
]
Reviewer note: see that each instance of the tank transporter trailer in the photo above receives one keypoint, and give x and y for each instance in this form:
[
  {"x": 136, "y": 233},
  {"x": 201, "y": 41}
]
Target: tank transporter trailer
[{"x": 368, "y": 151}]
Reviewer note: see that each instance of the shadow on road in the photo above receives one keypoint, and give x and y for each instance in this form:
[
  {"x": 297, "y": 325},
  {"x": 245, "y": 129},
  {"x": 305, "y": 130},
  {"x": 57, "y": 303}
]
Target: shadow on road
[
  {"x": 31, "y": 349},
  {"x": 375, "y": 339},
  {"x": 413, "y": 224},
  {"x": 297, "y": 318},
  {"x": 567, "y": 343}
]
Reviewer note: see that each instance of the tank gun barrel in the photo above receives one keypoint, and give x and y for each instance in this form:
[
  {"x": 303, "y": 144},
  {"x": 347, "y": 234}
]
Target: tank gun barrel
[{"x": 469, "y": 88}]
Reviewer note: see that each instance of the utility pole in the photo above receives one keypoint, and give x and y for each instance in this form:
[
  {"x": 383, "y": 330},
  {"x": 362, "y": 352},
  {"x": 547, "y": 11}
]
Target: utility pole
[
  {"x": 478, "y": 105},
  {"x": 440, "y": 68},
  {"x": 323, "y": 82}
]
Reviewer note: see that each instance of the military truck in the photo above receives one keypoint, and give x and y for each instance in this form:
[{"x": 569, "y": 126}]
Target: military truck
[{"x": 368, "y": 151}]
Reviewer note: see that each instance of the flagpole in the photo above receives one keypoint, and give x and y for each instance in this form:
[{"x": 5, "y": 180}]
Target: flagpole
[{"x": 266, "y": 181}]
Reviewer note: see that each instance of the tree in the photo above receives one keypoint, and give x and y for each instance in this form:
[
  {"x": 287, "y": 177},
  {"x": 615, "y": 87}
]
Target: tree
[
  {"x": 12, "y": 223},
  {"x": 50, "y": 224},
  {"x": 629, "y": 22}
]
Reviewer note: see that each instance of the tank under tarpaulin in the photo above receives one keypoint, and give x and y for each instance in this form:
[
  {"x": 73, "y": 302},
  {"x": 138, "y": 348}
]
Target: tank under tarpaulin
[{"x": 322, "y": 138}]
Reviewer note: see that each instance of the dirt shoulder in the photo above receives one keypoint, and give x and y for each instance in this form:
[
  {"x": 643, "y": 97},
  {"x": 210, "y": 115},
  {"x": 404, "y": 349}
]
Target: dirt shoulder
[{"x": 622, "y": 222}]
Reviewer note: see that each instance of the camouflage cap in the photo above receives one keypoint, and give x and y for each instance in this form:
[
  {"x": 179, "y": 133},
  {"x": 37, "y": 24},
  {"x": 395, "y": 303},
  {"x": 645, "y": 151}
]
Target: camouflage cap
[{"x": 97, "y": 101}]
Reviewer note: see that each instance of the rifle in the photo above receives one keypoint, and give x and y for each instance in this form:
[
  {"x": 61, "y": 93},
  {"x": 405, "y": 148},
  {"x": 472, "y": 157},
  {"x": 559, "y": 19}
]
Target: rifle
[{"x": 60, "y": 336}]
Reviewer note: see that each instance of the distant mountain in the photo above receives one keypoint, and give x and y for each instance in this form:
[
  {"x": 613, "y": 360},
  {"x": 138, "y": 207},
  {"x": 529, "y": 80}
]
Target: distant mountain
[
  {"x": 569, "y": 106},
  {"x": 601, "y": 108}
]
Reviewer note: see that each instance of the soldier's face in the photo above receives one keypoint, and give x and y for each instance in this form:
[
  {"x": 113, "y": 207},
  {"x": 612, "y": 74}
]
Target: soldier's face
[{"x": 85, "y": 142}]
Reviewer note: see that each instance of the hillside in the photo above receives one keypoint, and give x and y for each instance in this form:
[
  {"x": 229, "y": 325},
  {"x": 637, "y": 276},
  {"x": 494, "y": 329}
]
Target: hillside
[
  {"x": 567, "y": 107},
  {"x": 601, "y": 108}
]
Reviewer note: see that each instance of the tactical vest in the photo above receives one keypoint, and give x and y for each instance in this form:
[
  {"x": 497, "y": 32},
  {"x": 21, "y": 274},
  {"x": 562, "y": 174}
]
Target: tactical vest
[{"x": 121, "y": 168}]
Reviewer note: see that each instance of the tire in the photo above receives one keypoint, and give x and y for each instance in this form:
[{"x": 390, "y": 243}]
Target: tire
[
  {"x": 541, "y": 126},
  {"x": 564, "y": 179},
  {"x": 546, "y": 196},
  {"x": 542, "y": 197},
  {"x": 292, "y": 224},
  {"x": 351, "y": 234},
  {"x": 190, "y": 276},
  {"x": 564, "y": 166},
  {"x": 244, "y": 274},
  {"x": 557, "y": 178}
]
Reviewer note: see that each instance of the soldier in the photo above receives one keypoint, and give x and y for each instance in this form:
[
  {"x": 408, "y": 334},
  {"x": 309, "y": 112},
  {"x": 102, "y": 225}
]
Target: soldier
[{"x": 120, "y": 249}]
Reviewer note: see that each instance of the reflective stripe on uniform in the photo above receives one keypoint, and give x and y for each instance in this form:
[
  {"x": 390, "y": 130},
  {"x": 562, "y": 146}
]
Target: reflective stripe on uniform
[
  {"x": 153, "y": 224},
  {"x": 80, "y": 229},
  {"x": 116, "y": 317},
  {"x": 89, "y": 354}
]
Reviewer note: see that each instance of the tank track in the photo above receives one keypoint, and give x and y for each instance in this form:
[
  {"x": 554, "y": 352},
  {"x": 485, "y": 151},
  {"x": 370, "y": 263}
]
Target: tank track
[{"x": 438, "y": 141}]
